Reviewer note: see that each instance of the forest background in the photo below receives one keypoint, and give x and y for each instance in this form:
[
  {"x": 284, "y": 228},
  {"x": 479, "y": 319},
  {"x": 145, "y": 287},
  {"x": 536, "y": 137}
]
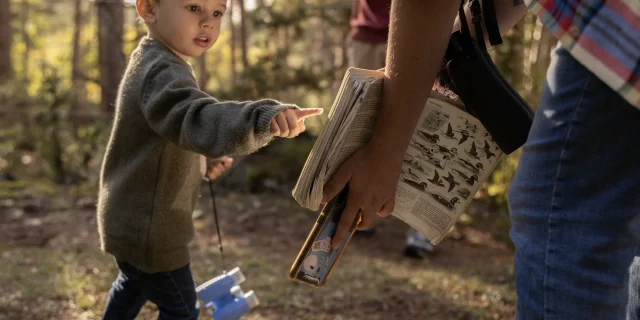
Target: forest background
[{"x": 60, "y": 65}]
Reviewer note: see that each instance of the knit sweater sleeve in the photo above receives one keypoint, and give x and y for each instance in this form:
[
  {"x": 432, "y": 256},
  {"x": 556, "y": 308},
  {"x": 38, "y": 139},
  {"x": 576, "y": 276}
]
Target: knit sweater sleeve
[{"x": 177, "y": 110}]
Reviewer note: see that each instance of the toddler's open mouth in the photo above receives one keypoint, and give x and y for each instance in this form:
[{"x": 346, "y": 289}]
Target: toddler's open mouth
[{"x": 202, "y": 41}]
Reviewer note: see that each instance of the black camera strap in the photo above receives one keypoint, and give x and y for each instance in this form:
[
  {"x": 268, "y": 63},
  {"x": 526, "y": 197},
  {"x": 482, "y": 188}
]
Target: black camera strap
[
  {"x": 491, "y": 22},
  {"x": 476, "y": 19},
  {"x": 215, "y": 217},
  {"x": 466, "y": 41},
  {"x": 487, "y": 13}
]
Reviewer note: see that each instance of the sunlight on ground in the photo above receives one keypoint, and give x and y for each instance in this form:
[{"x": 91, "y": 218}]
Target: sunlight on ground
[{"x": 463, "y": 280}]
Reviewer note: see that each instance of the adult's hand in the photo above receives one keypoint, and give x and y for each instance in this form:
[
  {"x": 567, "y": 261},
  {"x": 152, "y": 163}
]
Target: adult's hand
[{"x": 373, "y": 179}]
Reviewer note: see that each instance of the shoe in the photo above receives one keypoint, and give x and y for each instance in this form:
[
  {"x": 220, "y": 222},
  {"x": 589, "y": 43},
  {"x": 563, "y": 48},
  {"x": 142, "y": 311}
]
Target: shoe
[
  {"x": 417, "y": 245},
  {"x": 414, "y": 252}
]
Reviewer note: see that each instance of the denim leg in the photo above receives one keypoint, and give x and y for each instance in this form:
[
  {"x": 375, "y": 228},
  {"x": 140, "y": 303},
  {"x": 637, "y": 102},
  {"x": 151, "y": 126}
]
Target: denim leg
[
  {"x": 574, "y": 200},
  {"x": 125, "y": 298},
  {"x": 633, "y": 307},
  {"x": 173, "y": 292}
]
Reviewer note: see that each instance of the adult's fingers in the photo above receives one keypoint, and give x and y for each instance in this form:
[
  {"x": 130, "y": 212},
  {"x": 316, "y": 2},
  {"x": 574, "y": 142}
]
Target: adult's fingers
[
  {"x": 368, "y": 220},
  {"x": 347, "y": 218},
  {"x": 387, "y": 208}
]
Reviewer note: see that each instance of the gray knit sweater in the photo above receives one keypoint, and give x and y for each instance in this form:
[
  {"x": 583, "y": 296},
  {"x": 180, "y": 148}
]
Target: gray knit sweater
[{"x": 150, "y": 173}]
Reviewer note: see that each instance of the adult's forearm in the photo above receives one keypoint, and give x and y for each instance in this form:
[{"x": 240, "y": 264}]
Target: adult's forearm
[{"x": 418, "y": 37}]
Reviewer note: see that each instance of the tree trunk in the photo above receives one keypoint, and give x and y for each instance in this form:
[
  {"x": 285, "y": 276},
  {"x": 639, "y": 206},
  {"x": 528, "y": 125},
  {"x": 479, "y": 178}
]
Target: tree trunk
[
  {"x": 111, "y": 57},
  {"x": 203, "y": 75},
  {"x": 510, "y": 56},
  {"x": 243, "y": 35},
  {"x": 233, "y": 44},
  {"x": 25, "y": 39},
  {"x": 532, "y": 38},
  {"x": 6, "y": 35},
  {"x": 77, "y": 82},
  {"x": 546, "y": 43}
]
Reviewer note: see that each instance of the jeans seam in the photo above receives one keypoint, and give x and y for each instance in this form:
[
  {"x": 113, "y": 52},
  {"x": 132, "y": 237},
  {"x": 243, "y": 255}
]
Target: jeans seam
[
  {"x": 184, "y": 301},
  {"x": 553, "y": 192}
]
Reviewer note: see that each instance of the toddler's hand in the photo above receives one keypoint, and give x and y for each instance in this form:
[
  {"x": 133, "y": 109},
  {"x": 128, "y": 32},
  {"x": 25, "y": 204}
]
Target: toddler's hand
[
  {"x": 290, "y": 123},
  {"x": 218, "y": 166}
]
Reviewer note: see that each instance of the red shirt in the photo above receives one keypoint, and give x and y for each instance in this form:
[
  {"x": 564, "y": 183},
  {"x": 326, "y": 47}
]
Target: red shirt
[{"x": 370, "y": 20}]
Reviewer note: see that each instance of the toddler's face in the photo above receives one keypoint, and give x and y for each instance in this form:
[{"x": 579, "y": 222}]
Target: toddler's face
[{"x": 189, "y": 27}]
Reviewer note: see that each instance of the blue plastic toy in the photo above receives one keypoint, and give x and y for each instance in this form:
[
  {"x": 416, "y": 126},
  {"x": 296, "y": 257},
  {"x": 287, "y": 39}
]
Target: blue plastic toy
[{"x": 224, "y": 294}]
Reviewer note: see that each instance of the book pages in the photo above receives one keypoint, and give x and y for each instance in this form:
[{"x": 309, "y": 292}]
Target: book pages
[
  {"x": 449, "y": 156},
  {"x": 351, "y": 120}
]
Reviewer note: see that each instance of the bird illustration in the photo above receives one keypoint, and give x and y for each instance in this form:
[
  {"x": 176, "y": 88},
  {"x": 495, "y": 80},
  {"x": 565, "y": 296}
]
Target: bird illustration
[
  {"x": 412, "y": 174},
  {"x": 463, "y": 192},
  {"x": 416, "y": 165},
  {"x": 433, "y": 138},
  {"x": 421, "y": 147},
  {"x": 436, "y": 162},
  {"x": 470, "y": 180},
  {"x": 473, "y": 152},
  {"x": 452, "y": 182},
  {"x": 470, "y": 166},
  {"x": 416, "y": 184},
  {"x": 487, "y": 150},
  {"x": 486, "y": 134},
  {"x": 446, "y": 151},
  {"x": 465, "y": 136},
  {"x": 449, "y": 134},
  {"x": 467, "y": 165},
  {"x": 436, "y": 179},
  {"x": 447, "y": 203}
]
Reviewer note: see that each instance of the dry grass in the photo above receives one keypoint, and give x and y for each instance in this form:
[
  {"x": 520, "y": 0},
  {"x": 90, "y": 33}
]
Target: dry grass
[{"x": 52, "y": 269}]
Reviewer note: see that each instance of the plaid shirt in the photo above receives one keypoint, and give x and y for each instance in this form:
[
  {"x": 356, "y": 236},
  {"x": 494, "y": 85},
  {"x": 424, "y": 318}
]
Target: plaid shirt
[{"x": 604, "y": 35}]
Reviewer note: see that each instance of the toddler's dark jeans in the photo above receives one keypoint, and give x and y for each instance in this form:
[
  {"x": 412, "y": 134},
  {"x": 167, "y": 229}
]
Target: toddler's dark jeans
[{"x": 173, "y": 292}]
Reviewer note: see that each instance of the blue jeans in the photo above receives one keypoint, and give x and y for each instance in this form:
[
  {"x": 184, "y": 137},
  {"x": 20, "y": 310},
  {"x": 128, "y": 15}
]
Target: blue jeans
[
  {"x": 575, "y": 200},
  {"x": 173, "y": 292}
]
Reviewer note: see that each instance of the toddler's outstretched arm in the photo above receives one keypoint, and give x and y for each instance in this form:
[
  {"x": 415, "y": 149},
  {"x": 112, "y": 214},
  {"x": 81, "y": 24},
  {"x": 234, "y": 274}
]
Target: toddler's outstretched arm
[{"x": 176, "y": 109}]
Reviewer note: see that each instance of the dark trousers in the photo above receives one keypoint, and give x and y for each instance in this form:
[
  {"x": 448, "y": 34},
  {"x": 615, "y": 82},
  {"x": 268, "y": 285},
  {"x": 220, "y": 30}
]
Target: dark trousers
[{"x": 173, "y": 292}]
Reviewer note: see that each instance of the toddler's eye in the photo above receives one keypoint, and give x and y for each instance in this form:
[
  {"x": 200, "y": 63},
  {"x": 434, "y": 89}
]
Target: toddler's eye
[
  {"x": 193, "y": 8},
  {"x": 217, "y": 14}
]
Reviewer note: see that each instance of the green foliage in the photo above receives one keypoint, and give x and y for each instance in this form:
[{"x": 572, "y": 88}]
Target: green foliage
[
  {"x": 295, "y": 53},
  {"x": 45, "y": 143}
]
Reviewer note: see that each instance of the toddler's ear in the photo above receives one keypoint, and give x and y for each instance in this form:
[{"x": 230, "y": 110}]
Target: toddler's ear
[{"x": 146, "y": 10}]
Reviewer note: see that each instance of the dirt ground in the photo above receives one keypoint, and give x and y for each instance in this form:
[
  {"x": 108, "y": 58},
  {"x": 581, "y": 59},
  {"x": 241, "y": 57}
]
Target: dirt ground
[{"x": 52, "y": 267}]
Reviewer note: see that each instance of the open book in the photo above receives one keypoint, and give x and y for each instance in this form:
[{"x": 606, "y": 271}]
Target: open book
[{"x": 449, "y": 156}]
